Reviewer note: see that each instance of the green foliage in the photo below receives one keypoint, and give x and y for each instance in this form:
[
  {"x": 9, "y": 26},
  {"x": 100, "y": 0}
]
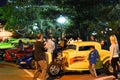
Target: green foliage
[{"x": 83, "y": 16}]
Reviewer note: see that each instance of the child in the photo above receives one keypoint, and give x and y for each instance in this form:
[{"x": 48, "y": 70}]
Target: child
[{"x": 93, "y": 55}]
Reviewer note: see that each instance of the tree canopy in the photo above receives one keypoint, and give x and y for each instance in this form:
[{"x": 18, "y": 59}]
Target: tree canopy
[{"x": 85, "y": 17}]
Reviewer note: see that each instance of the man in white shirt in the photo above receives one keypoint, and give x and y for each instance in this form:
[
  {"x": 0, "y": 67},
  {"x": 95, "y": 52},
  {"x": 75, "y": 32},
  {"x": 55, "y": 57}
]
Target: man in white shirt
[{"x": 50, "y": 45}]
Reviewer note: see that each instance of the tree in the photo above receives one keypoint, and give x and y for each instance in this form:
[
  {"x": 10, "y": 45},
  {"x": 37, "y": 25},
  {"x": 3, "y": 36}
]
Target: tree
[{"x": 83, "y": 14}]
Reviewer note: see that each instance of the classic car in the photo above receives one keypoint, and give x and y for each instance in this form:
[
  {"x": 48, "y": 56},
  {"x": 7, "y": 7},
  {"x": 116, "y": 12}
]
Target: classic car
[
  {"x": 4, "y": 45},
  {"x": 12, "y": 43},
  {"x": 14, "y": 54},
  {"x": 75, "y": 58},
  {"x": 7, "y": 43},
  {"x": 26, "y": 61},
  {"x": 25, "y": 40}
]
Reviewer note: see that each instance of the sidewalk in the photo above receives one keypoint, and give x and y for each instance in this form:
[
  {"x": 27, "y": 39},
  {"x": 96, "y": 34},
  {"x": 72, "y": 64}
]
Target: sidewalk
[
  {"x": 105, "y": 78},
  {"x": 86, "y": 77}
]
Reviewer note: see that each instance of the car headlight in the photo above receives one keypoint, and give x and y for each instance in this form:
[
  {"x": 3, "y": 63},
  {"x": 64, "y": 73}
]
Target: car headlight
[{"x": 22, "y": 62}]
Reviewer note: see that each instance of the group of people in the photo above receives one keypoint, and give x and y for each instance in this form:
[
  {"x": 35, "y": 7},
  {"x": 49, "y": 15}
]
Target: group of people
[
  {"x": 41, "y": 46},
  {"x": 114, "y": 57}
]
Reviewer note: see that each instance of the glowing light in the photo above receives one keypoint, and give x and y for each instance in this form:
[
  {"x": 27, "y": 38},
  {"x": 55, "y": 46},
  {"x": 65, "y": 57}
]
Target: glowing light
[
  {"x": 5, "y": 34},
  {"x": 61, "y": 19}
]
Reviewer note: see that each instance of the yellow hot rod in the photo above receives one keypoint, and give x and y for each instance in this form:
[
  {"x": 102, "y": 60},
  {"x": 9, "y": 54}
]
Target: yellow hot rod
[{"x": 75, "y": 58}]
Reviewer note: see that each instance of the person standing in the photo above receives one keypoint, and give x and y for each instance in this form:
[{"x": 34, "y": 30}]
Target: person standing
[
  {"x": 20, "y": 46},
  {"x": 93, "y": 55},
  {"x": 40, "y": 58},
  {"x": 92, "y": 38},
  {"x": 114, "y": 56},
  {"x": 78, "y": 39},
  {"x": 50, "y": 46}
]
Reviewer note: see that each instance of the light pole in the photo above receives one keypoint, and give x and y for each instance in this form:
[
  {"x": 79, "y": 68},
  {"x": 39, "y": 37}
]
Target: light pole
[{"x": 61, "y": 20}]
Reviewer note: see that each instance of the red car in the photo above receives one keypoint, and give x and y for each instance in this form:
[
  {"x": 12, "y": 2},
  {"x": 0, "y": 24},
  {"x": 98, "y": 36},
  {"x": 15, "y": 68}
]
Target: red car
[{"x": 13, "y": 54}]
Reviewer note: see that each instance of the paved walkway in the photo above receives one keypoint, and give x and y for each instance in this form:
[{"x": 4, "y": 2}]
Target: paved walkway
[{"x": 86, "y": 77}]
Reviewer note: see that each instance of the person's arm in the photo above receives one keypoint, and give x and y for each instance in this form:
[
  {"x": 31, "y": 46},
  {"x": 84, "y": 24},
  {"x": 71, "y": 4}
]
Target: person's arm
[
  {"x": 23, "y": 47},
  {"x": 46, "y": 46},
  {"x": 89, "y": 56},
  {"x": 53, "y": 46},
  {"x": 33, "y": 47},
  {"x": 111, "y": 52},
  {"x": 97, "y": 54}
]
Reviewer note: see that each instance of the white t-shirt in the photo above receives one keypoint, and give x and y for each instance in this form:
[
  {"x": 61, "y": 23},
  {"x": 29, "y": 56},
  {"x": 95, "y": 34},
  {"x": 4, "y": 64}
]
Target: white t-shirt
[
  {"x": 51, "y": 46},
  {"x": 114, "y": 50}
]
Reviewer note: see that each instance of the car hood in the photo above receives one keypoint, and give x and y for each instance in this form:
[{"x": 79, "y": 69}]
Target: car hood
[{"x": 6, "y": 45}]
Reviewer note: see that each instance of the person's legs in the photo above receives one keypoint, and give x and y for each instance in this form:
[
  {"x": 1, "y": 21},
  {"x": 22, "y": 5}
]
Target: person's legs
[
  {"x": 91, "y": 71},
  {"x": 115, "y": 67},
  {"x": 94, "y": 70},
  {"x": 43, "y": 65},
  {"x": 37, "y": 71}
]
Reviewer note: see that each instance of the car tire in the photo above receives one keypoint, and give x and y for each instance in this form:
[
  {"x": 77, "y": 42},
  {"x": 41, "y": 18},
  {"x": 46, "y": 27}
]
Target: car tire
[
  {"x": 54, "y": 69},
  {"x": 32, "y": 64},
  {"x": 108, "y": 68}
]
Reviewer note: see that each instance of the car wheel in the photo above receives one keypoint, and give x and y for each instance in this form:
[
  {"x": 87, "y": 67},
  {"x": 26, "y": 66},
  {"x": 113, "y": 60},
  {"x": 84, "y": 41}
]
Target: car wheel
[
  {"x": 108, "y": 68},
  {"x": 32, "y": 64},
  {"x": 54, "y": 69}
]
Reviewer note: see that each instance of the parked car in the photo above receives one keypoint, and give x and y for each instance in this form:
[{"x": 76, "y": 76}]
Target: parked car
[
  {"x": 14, "y": 54},
  {"x": 12, "y": 43},
  {"x": 7, "y": 43},
  {"x": 75, "y": 58},
  {"x": 4, "y": 45},
  {"x": 26, "y": 61}
]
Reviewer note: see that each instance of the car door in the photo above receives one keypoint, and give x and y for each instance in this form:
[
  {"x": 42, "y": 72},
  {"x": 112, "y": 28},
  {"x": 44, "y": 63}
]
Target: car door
[{"x": 81, "y": 57}]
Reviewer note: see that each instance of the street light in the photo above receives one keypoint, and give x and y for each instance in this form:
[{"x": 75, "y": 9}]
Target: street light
[{"x": 61, "y": 20}]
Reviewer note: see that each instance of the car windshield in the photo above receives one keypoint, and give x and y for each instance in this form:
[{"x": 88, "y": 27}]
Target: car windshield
[{"x": 71, "y": 47}]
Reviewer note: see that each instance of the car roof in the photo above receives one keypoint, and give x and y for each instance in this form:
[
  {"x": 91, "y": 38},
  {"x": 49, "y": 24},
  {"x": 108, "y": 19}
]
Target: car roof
[{"x": 85, "y": 43}]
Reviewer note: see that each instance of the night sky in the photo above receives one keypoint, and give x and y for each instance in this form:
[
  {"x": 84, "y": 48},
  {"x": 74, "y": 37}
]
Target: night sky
[{"x": 2, "y": 2}]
